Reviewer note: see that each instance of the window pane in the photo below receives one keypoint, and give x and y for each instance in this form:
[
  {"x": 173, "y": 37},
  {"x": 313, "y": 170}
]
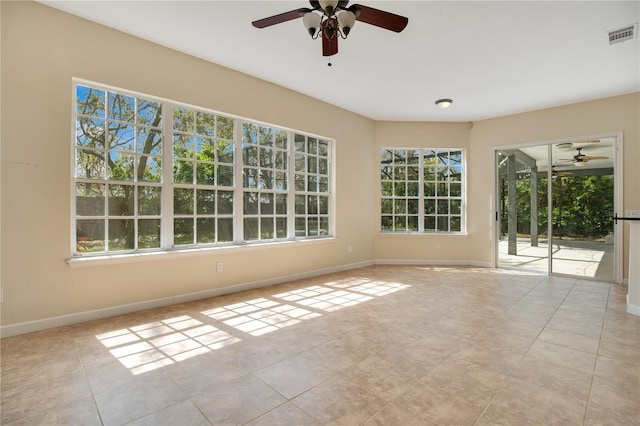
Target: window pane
[
  {"x": 386, "y": 206},
  {"x": 312, "y": 227},
  {"x": 387, "y": 223},
  {"x": 400, "y": 206},
  {"x": 281, "y": 204},
  {"x": 281, "y": 227},
  {"x": 225, "y": 175},
  {"x": 412, "y": 223},
  {"x": 455, "y": 206},
  {"x": 400, "y": 189},
  {"x": 456, "y": 224},
  {"x": 429, "y": 189},
  {"x": 205, "y": 149},
  {"x": 323, "y": 184},
  {"x": 225, "y": 127},
  {"x": 149, "y": 200},
  {"x": 280, "y": 181},
  {"x": 266, "y": 157},
  {"x": 266, "y": 228},
  {"x": 205, "y": 124},
  {"x": 266, "y": 179},
  {"x": 412, "y": 206},
  {"x": 121, "y": 234},
  {"x": 90, "y": 132},
  {"x": 280, "y": 160},
  {"x": 323, "y": 205},
  {"x": 400, "y": 223},
  {"x": 429, "y": 206},
  {"x": 301, "y": 227},
  {"x": 251, "y": 203},
  {"x": 183, "y": 146},
  {"x": 312, "y": 204},
  {"x": 430, "y": 223},
  {"x": 413, "y": 189},
  {"x": 312, "y": 183},
  {"x": 225, "y": 152},
  {"x": 182, "y": 231},
  {"x": 281, "y": 139},
  {"x": 149, "y": 169},
  {"x": 443, "y": 207},
  {"x": 205, "y": 173},
  {"x": 90, "y": 236},
  {"x": 90, "y": 165},
  {"x": 120, "y": 166},
  {"x": 225, "y": 202},
  {"x": 251, "y": 228},
  {"x": 250, "y": 155},
  {"x": 121, "y": 107},
  {"x": 122, "y": 137},
  {"x": 148, "y": 233},
  {"x": 443, "y": 224},
  {"x": 300, "y": 144},
  {"x": 182, "y": 201},
  {"x": 225, "y": 230},
  {"x": 183, "y": 172},
  {"x": 121, "y": 200},
  {"x": 266, "y": 204},
  {"x": 149, "y": 113},
  {"x": 206, "y": 230},
  {"x": 301, "y": 204},
  {"x": 90, "y": 199},
  {"x": 324, "y": 226},
  {"x": 149, "y": 141},
  {"x": 205, "y": 201},
  {"x": 183, "y": 119},
  {"x": 249, "y": 133},
  {"x": 300, "y": 182},
  {"x": 455, "y": 189},
  {"x": 90, "y": 101}
]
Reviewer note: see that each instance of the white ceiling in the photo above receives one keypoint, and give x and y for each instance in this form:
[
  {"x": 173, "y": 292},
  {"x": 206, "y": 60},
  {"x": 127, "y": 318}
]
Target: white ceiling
[{"x": 492, "y": 58}]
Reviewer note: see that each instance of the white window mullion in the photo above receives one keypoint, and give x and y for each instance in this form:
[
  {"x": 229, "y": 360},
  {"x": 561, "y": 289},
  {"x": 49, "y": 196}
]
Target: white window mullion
[
  {"x": 166, "y": 223},
  {"x": 421, "y": 191},
  {"x": 291, "y": 190},
  {"x": 238, "y": 192}
]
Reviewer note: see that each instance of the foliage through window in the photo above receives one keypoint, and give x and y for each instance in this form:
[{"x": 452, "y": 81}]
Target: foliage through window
[
  {"x": 422, "y": 190},
  {"x": 152, "y": 174}
]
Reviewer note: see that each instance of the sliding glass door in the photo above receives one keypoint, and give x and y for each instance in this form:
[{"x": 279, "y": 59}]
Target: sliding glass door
[{"x": 555, "y": 206}]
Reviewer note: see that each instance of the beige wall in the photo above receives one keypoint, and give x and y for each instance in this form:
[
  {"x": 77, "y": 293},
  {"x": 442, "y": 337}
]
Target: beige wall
[{"x": 42, "y": 49}]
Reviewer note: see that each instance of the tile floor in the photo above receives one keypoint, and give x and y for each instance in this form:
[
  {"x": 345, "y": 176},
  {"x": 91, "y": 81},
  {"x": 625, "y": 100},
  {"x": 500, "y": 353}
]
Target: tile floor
[{"x": 382, "y": 345}]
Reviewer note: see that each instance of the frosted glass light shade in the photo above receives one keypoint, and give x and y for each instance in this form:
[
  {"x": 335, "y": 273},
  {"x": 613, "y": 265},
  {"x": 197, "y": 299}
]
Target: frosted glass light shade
[
  {"x": 328, "y": 5},
  {"x": 346, "y": 21},
  {"x": 311, "y": 21}
]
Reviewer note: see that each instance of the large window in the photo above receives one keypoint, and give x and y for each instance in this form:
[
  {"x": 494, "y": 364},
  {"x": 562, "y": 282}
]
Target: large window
[
  {"x": 152, "y": 174},
  {"x": 422, "y": 190}
]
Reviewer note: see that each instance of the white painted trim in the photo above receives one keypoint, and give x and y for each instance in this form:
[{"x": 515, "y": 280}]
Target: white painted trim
[
  {"x": 65, "y": 320},
  {"x": 632, "y": 309}
]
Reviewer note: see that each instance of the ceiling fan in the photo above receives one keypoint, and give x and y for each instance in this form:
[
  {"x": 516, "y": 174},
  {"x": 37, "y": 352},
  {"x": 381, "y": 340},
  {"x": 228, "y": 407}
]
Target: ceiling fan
[
  {"x": 331, "y": 19},
  {"x": 580, "y": 159},
  {"x": 559, "y": 173}
]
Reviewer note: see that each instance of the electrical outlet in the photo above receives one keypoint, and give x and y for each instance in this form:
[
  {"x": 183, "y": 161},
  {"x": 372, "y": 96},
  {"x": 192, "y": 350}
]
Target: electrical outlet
[
  {"x": 632, "y": 213},
  {"x": 219, "y": 267}
]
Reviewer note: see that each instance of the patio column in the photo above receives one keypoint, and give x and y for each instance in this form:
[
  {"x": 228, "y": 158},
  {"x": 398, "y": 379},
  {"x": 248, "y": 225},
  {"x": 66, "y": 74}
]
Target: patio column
[
  {"x": 533, "y": 185},
  {"x": 512, "y": 224}
]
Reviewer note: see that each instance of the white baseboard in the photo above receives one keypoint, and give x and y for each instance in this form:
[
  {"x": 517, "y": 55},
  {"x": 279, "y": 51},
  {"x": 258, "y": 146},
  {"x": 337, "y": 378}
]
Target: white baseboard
[
  {"x": 66, "y": 320},
  {"x": 632, "y": 309},
  {"x": 423, "y": 262}
]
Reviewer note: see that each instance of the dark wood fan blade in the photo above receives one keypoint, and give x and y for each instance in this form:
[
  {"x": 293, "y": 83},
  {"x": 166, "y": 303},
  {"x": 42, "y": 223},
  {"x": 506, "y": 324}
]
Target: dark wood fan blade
[
  {"x": 329, "y": 37},
  {"x": 379, "y": 18},
  {"x": 594, "y": 157},
  {"x": 278, "y": 19}
]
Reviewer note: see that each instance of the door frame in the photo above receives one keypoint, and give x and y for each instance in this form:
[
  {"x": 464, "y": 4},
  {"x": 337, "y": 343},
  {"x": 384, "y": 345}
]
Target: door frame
[{"x": 618, "y": 229}]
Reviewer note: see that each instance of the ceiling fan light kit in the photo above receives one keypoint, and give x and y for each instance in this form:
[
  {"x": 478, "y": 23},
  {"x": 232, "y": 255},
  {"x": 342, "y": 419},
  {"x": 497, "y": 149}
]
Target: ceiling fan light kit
[{"x": 333, "y": 19}]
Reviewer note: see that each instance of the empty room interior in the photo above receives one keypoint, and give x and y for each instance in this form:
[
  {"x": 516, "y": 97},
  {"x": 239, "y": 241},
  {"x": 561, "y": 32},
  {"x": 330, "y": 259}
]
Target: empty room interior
[{"x": 406, "y": 213}]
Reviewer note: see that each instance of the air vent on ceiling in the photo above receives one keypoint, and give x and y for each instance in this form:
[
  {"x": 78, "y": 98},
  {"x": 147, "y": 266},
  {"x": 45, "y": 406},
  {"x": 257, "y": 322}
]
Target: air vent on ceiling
[{"x": 623, "y": 34}]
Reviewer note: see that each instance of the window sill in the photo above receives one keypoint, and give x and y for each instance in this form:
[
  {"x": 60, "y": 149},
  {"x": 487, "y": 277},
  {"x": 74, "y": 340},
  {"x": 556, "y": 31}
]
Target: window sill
[{"x": 114, "y": 259}]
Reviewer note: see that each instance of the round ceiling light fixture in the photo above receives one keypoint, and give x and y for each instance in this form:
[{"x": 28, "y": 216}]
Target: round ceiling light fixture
[{"x": 444, "y": 103}]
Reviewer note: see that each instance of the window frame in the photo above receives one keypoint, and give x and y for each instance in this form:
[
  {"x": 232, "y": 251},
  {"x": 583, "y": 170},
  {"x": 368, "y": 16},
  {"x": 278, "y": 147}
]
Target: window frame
[
  {"x": 409, "y": 187},
  {"x": 167, "y": 185}
]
